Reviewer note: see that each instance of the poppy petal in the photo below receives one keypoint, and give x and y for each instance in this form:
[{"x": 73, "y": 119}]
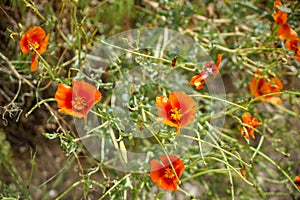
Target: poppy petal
[
  {"x": 44, "y": 45},
  {"x": 156, "y": 170},
  {"x": 34, "y": 63},
  {"x": 285, "y": 32}
]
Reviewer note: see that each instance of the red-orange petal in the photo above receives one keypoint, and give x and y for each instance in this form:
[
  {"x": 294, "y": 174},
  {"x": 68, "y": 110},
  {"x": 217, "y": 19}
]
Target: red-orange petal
[
  {"x": 297, "y": 55},
  {"x": 34, "y": 63},
  {"x": 280, "y": 17},
  {"x": 256, "y": 83},
  {"x": 157, "y": 172},
  {"x": 44, "y": 45},
  {"x": 63, "y": 97},
  {"x": 285, "y": 32},
  {"x": 292, "y": 44},
  {"x": 277, "y": 3},
  {"x": 24, "y": 44},
  {"x": 187, "y": 106},
  {"x": 297, "y": 181},
  {"x": 86, "y": 90},
  {"x": 219, "y": 56},
  {"x": 199, "y": 80}
]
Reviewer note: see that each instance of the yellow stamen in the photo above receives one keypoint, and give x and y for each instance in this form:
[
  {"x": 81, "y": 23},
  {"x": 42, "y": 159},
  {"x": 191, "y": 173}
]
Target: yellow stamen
[
  {"x": 176, "y": 114},
  {"x": 169, "y": 173},
  {"x": 79, "y": 103},
  {"x": 34, "y": 45}
]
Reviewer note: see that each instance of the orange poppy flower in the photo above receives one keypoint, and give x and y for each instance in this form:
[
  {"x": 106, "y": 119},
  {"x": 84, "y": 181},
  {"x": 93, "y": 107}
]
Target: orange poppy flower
[
  {"x": 280, "y": 17},
  {"x": 297, "y": 181},
  {"x": 177, "y": 111},
  {"x": 77, "y": 100},
  {"x": 163, "y": 174},
  {"x": 209, "y": 68},
  {"x": 259, "y": 86},
  {"x": 35, "y": 38},
  {"x": 251, "y": 121},
  {"x": 285, "y": 32}
]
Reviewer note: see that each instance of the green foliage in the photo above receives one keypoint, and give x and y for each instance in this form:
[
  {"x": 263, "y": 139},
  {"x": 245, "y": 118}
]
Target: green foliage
[{"x": 219, "y": 163}]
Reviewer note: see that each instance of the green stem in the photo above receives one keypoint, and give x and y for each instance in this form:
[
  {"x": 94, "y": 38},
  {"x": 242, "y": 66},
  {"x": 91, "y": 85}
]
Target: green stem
[
  {"x": 258, "y": 148},
  {"x": 268, "y": 159},
  {"x": 219, "y": 99},
  {"x": 34, "y": 9},
  {"x": 113, "y": 187},
  {"x": 38, "y": 104},
  {"x": 205, "y": 172},
  {"x": 230, "y": 166},
  {"x": 134, "y": 52},
  {"x": 219, "y": 148},
  {"x": 165, "y": 151}
]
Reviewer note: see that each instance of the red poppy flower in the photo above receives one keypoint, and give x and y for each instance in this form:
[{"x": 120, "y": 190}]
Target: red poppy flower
[
  {"x": 259, "y": 86},
  {"x": 177, "y": 111},
  {"x": 285, "y": 32},
  {"x": 251, "y": 121},
  {"x": 297, "y": 181},
  {"x": 77, "y": 100},
  {"x": 34, "y": 38},
  {"x": 280, "y": 17},
  {"x": 163, "y": 174}
]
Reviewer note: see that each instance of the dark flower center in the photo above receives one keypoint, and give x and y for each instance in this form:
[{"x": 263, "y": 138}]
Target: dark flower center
[{"x": 79, "y": 103}]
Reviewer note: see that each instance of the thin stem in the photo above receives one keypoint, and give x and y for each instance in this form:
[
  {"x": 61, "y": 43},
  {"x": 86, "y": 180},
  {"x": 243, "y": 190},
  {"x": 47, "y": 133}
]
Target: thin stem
[
  {"x": 268, "y": 159},
  {"x": 217, "y": 147},
  {"x": 230, "y": 166},
  {"x": 219, "y": 99},
  {"x": 134, "y": 52},
  {"x": 113, "y": 187},
  {"x": 38, "y": 104},
  {"x": 204, "y": 172},
  {"x": 165, "y": 152},
  {"x": 257, "y": 148}
]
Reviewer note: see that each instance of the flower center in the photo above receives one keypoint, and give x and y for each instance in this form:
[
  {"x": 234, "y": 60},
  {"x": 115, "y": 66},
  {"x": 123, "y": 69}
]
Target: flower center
[
  {"x": 169, "y": 172},
  {"x": 176, "y": 114},
  {"x": 79, "y": 103},
  {"x": 34, "y": 45}
]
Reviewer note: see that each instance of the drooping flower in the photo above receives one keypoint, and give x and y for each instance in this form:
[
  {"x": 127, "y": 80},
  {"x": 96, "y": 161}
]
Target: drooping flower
[
  {"x": 250, "y": 121},
  {"x": 34, "y": 38},
  {"x": 297, "y": 181},
  {"x": 164, "y": 175},
  {"x": 77, "y": 100},
  {"x": 279, "y": 17},
  {"x": 214, "y": 69},
  {"x": 209, "y": 69},
  {"x": 259, "y": 86},
  {"x": 199, "y": 80},
  {"x": 177, "y": 111}
]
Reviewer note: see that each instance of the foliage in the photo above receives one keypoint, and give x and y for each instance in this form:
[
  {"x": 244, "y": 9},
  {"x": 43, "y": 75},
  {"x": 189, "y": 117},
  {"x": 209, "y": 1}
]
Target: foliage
[{"x": 218, "y": 162}]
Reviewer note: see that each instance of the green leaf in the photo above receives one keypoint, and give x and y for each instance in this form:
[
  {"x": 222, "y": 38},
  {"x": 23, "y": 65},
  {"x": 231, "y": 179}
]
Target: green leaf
[
  {"x": 160, "y": 195},
  {"x": 284, "y": 9}
]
